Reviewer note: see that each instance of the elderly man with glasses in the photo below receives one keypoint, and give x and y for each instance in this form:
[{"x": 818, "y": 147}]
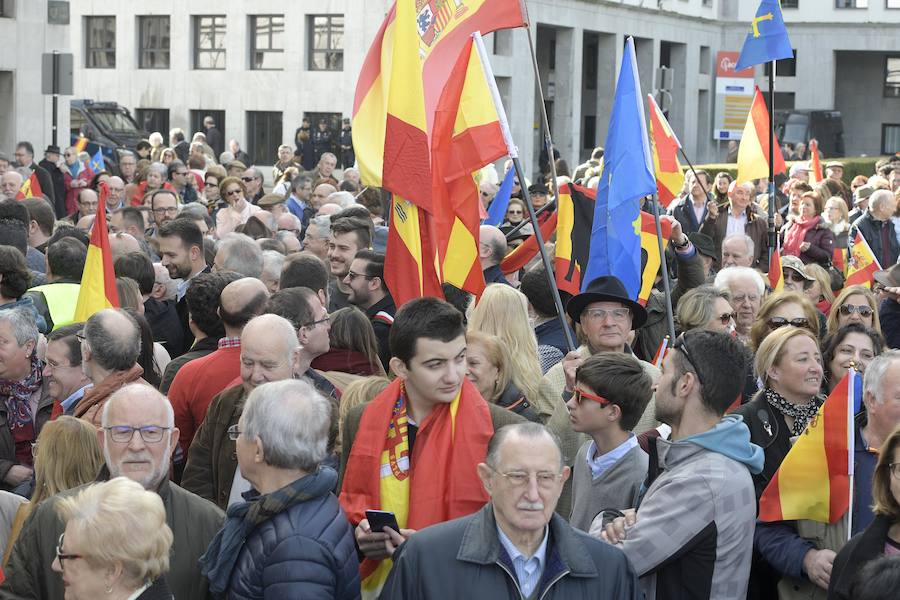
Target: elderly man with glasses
[{"x": 138, "y": 437}]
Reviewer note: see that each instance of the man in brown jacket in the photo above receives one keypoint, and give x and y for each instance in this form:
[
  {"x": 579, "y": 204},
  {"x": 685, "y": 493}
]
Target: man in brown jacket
[{"x": 739, "y": 216}]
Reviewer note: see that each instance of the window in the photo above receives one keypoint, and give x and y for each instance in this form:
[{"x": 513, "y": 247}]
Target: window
[
  {"x": 790, "y": 3},
  {"x": 589, "y": 132},
  {"x": 8, "y": 9},
  {"x": 154, "y": 42},
  {"x": 705, "y": 60},
  {"x": 198, "y": 115},
  {"x": 786, "y": 67},
  {"x": 892, "y": 77},
  {"x": 100, "y": 42},
  {"x": 263, "y": 135},
  {"x": 892, "y": 4},
  {"x": 326, "y": 42},
  {"x": 209, "y": 42},
  {"x": 890, "y": 138},
  {"x": 153, "y": 119},
  {"x": 851, "y": 3},
  {"x": 267, "y": 42}
]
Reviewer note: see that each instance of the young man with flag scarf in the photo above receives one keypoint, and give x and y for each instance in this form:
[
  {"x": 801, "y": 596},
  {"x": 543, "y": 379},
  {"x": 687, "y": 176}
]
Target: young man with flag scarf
[{"x": 414, "y": 449}]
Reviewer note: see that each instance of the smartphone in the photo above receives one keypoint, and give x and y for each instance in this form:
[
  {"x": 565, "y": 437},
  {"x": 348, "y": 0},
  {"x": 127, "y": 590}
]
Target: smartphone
[{"x": 379, "y": 519}]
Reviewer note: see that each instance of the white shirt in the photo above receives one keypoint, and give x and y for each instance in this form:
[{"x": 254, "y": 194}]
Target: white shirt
[{"x": 736, "y": 224}]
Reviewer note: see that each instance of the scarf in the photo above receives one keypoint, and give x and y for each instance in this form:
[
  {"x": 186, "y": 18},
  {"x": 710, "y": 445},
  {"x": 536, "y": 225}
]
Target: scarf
[
  {"x": 242, "y": 518},
  {"x": 75, "y": 168},
  {"x": 450, "y": 443},
  {"x": 802, "y": 414},
  {"x": 17, "y": 394},
  {"x": 793, "y": 237}
]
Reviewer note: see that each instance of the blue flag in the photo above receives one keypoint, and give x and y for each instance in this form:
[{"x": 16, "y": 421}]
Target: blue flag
[
  {"x": 497, "y": 209},
  {"x": 627, "y": 177},
  {"x": 97, "y": 162},
  {"x": 768, "y": 38}
]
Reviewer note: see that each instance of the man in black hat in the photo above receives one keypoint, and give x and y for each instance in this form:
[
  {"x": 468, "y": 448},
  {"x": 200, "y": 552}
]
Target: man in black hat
[
  {"x": 51, "y": 165},
  {"x": 707, "y": 251},
  {"x": 887, "y": 283},
  {"x": 607, "y": 316}
]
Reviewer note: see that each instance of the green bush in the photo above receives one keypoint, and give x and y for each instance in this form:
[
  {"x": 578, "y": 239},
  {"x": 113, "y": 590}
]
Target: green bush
[{"x": 853, "y": 166}]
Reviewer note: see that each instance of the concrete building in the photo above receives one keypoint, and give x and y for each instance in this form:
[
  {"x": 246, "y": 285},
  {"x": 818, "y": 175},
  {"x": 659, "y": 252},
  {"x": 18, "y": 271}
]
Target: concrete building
[
  {"x": 260, "y": 68},
  {"x": 28, "y": 29}
]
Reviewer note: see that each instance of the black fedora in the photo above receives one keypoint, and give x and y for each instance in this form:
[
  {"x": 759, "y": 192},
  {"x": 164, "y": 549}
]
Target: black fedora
[
  {"x": 703, "y": 243},
  {"x": 606, "y": 288},
  {"x": 52, "y": 149}
]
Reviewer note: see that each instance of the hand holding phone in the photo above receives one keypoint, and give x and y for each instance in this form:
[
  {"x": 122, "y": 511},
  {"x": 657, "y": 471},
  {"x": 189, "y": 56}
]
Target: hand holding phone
[{"x": 379, "y": 519}]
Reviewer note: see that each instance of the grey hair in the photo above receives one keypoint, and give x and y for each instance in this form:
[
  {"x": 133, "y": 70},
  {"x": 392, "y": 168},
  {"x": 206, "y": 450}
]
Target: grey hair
[
  {"x": 875, "y": 373},
  {"x": 292, "y": 420},
  {"x": 112, "y": 347},
  {"x": 343, "y": 199},
  {"x": 129, "y": 390},
  {"x": 526, "y": 430},
  {"x": 272, "y": 263},
  {"x": 299, "y": 181},
  {"x": 728, "y": 275},
  {"x": 695, "y": 308},
  {"x": 242, "y": 255},
  {"x": 160, "y": 168},
  {"x": 744, "y": 238},
  {"x": 879, "y": 197},
  {"x": 22, "y": 324},
  {"x": 323, "y": 226}
]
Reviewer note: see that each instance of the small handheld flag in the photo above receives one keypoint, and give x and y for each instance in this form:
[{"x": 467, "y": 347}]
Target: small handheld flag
[
  {"x": 776, "y": 275},
  {"x": 862, "y": 263},
  {"x": 31, "y": 188},
  {"x": 97, "y": 162},
  {"x": 815, "y": 163},
  {"x": 661, "y": 352},
  {"x": 767, "y": 39}
]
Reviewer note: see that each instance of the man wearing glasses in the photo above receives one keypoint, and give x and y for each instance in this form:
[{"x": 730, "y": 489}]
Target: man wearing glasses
[
  {"x": 253, "y": 182},
  {"x": 692, "y": 536},
  {"x": 368, "y": 292},
  {"x": 180, "y": 179},
  {"x": 138, "y": 436},
  {"x": 164, "y": 206},
  {"x": 62, "y": 367},
  {"x": 515, "y": 540}
]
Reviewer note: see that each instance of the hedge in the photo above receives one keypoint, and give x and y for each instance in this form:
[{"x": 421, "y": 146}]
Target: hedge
[{"x": 853, "y": 166}]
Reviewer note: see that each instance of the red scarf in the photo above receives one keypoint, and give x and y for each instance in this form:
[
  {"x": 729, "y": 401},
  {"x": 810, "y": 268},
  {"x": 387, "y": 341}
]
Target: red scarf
[{"x": 793, "y": 238}]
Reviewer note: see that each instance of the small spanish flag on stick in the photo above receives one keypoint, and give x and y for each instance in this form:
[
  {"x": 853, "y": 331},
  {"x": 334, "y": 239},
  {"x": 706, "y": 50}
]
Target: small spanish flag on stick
[
  {"x": 98, "y": 281},
  {"x": 776, "y": 275}
]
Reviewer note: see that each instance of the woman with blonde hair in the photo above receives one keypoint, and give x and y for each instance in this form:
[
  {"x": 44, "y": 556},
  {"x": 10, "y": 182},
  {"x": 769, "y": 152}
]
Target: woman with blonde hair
[
  {"x": 116, "y": 543},
  {"x": 358, "y": 392},
  {"x": 855, "y": 304},
  {"x": 819, "y": 292},
  {"x": 779, "y": 310},
  {"x": 490, "y": 368},
  {"x": 706, "y": 307},
  {"x": 503, "y": 311},
  {"x": 835, "y": 216},
  {"x": 66, "y": 455}
]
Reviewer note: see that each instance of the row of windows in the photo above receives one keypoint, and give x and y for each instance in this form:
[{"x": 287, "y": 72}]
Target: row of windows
[{"x": 325, "y": 48}]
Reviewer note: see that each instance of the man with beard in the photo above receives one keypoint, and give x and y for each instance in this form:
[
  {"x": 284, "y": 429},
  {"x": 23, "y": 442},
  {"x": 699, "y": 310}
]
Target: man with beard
[
  {"x": 349, "y": 235},
  {"x": 138, "y": 436},
  {"x": 181, "y": 249},
  {"x": 368, "y": 292}
]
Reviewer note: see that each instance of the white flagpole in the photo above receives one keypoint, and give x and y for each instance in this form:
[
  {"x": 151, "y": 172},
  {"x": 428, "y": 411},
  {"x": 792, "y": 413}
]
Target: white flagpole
[{"x": 851, "y": 443}]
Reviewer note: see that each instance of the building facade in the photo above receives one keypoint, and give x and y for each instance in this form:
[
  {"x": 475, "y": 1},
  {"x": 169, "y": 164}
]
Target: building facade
[{"x": 261, "y": 67}]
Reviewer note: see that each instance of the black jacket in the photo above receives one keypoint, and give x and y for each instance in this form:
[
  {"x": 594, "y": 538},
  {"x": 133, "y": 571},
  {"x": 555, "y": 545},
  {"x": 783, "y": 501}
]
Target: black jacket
[
  {"x": 683, "y": 212},
  {"x": 58, "y": 200},
  {"x": 165, "y": 324},
  {"x": 871, "y": 230},
  {"x": 46, "y": 183},
  {"x": 862, "y": 547},
  {"x": 381, "y": 314}
]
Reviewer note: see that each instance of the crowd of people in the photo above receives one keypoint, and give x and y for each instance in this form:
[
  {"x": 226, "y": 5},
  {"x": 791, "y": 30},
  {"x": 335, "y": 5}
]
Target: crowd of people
[{"x": 257, "y": 418}]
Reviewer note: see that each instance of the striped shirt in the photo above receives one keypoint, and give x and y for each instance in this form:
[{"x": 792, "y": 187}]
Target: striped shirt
[{"x": 528, "y": 570}]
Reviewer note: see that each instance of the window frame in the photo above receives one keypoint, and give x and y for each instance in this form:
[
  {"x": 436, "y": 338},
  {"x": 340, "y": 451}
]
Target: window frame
[
  {"x": 89, "y": 50},
  {"x": 313, "y": 52},
  {"x": 253, "y": 148},
  {"x": 271, "y": 50},
  {"x": 158, "y": 51},
  {"x": 197, "y": 35}
]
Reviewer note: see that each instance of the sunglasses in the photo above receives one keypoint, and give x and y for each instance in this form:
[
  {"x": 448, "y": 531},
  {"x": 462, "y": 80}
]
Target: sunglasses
[
  {"x": 862, "y": 309},
  {"x": 248, "y": 179},
  {"x": 725, "y": 318},
  {"x": 681, "y": 344},
  {"x": 580, "y": 396},
  {"x": 790, "y": 275},
  {"x": 776, "y": 322}
]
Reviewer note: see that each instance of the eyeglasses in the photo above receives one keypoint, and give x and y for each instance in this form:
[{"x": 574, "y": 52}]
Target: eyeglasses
[
  {"x": 545, "y": 479},
  {"x": 725, "y": 318},
  {"x": 311, "y": 325},
  {"x": 122, "y": 434},
  {"x": 60, "y": 556},
  {"x": 234, "y": 433},
  {"x": 617, "y": 314},
  {"x": 791, "y": 275},
  {"x": 862, "y": 309},
  {"x": 167, "y": 210},
  {"x": 681, "y": 344},
  {"x": 895, "y": 470},
  {"x": 80, "y": 336},
  {"x": 776, "y": 322},
  {"x": 248, "y": 179},
  {"x": 514, "y": 212},
  {"x": 581, "y": 395},
  {"x": 233, "y": 192},
  {"x": 211, "y": 184},
  {"x": 351, "y": 276}
]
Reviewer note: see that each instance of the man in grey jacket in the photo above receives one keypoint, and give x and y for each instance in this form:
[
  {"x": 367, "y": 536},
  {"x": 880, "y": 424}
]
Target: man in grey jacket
[
  {"x": 692, "y": 536},
  {"x": 515, "y": 547}
]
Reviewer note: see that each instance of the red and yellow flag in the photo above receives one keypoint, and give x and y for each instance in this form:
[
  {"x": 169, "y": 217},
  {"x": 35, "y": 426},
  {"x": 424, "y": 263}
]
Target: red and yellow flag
[
  {"x": 98, "y": 280},
  {"x": 669, "y": 174},
  {"x": 862, "y": 264},
  {"x": 650, "y": 248},
  {"x": 839, "y": 260},
  {"x": 815, "y": 163},
  {"x": 522, "y": 255},
  {"x": 401, "y": 83},
  {"x": 753, "y": 153},
  {"x": 31, "y": 188},
  {"x": 776, "y": 274},
  {"x": 410, "y": 258},
  {"x": 813, "y": 480},
  {"x": 81, "y": 143}
]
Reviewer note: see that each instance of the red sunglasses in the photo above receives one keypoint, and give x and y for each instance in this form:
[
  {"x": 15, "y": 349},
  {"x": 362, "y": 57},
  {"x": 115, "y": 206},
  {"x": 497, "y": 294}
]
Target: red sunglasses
[{"x": 581, "y": 395}]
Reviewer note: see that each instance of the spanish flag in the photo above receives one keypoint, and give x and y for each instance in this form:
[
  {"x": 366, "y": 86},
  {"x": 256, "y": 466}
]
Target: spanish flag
[
  {"x": 669, "y": 174},
  {"x": 401, "y": 82},
  {"x": 521, "y": 256},
  {"x": 862, "y": 264},
  {"x": 753, "y": 153},
  {"x": 31, "y": 188},
  {"x": 815, "y": 163},
  {"x": 650, "y": 249},
  {"x": 813, "y": 480},
  {"x": 776, "y": 275},
  {"x": 81, "y": 143},
  {"x": 98, "y": 280},
  {"x": 410, "y": 258},
  {"x": 839, "y": 260}
]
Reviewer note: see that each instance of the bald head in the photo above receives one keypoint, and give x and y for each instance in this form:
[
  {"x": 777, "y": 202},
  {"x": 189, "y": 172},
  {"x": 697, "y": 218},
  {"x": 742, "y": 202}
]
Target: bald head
[
  {"x": 112, "y": 342},
  {"x": 492, "y": 246},
  {"x": 328, "y": 209},
  {"x": 142, "y": 399},
  {"x": 87, "y": 202},
  {"x": 320, "y": 194},
  {"x": 122, "y": 243},
  {"x": 240, "y": 301}
]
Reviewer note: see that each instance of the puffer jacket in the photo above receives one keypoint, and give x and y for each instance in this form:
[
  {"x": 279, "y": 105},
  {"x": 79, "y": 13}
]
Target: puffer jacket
[{"x": 307, "y": 551}]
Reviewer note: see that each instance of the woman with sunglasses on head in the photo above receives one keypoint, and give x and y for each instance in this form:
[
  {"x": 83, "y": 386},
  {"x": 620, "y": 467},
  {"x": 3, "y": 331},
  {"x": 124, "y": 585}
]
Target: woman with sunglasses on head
[
  {"x": 855, "y": 304},
  {"x": 239, "y": 210},
  {"x": 780, "y": 310},
  {"x": 853, "y": 343},
  {"x": 706, "y": 307}
]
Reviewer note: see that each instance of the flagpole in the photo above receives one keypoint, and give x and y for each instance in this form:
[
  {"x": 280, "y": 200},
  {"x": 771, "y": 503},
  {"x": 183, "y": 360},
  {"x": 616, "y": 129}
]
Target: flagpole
[
  {"x": 517, "y": 164},
  {"x": 694, "y": 171},
  {"x": 523, "y": 222},
  {"x": 851, "y": 444},
  {"x": 548, "y": 140},
  {"x": 772, "y": 235},
  {"x": 670, "y": 316}
]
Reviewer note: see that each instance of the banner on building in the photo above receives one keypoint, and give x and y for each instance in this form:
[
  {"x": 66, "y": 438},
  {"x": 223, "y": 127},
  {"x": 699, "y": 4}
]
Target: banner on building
[{"x": 734, "y": 94}]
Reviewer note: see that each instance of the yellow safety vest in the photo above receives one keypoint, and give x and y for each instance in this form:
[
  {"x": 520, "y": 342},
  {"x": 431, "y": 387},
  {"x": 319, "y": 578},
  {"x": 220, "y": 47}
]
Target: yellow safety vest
[{"x": 62, "y": 298}]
